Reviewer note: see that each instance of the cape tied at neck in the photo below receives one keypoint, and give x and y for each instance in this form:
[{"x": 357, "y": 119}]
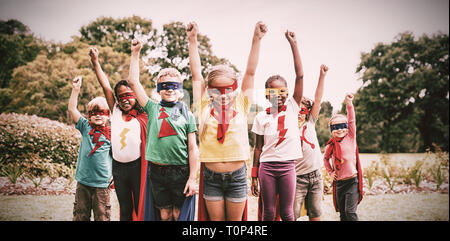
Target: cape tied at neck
[
  {"x": 179, "y": 108},
  {"x": 335, "y": 148},
  {"x": 166, "y": 129},
  {"x": 97, "y": 132},
  {"x": 274, "y": 111},
  {"x": 223, "y": 118},
  {"x": 131, "y": 114}
]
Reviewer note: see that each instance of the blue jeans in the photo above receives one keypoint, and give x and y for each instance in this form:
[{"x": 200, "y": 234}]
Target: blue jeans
[
  {"x": 347, "y": 195},
  {"x": 231, "y": 186},
  {"x": 309, "y": 188}
]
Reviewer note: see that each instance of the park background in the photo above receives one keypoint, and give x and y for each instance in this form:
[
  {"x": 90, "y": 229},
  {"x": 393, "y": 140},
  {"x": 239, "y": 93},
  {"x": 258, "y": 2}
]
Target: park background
[{"x": 393, "y": 55}]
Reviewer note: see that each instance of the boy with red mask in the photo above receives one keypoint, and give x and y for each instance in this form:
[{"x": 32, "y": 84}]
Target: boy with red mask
[{"x": 93, "y": 171}]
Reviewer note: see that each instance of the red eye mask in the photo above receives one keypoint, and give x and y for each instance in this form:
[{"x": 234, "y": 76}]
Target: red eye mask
[
  {"x": 223, "y": 89},
  {"x": 304, "y": 111},
  {"x": 126, "y": 96},
  {"x": 98, "y": 112}
]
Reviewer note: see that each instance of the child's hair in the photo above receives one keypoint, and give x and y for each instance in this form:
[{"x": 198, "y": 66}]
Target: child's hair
[
  {"x": 275, "y": 77},
  {"x": 308, "y": 103},
  {"x": 98, "y": 103},
  {"x": 171, "y": 72},
  {"x": 334, "y": 117},
  {"x": 214, "y": 73},
  {"x": 221, "y": 71},
  {"x": 120, "y": 83}
]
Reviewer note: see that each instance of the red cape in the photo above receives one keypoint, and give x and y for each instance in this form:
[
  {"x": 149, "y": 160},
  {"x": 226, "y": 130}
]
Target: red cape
[
  {"x": 360, "y": 182},
  {"x": 139, "y": 215},
  {"x": 202, "y": 211}
]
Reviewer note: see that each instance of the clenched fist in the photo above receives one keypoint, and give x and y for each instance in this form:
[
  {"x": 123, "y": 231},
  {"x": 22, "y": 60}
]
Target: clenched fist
[
  {"x": 76, "y": 83},
  {"x": 192, "y": 30},
  {"x": 348, "y": 99},
  {"x": 93, "y": 53},
  {"x": 323, "y": 69},
  {"x": 290, "y": 36},
  {"x": 136, "y": 46},
  {"x": 260, "y": 30}
]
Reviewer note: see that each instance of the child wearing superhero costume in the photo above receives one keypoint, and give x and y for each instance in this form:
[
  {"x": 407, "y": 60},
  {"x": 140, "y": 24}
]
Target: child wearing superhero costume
[
  {"x": 128, "y": 139},
  {"x": 345, "y": 169},
  {"x": 93, "y": 171},
  {"x": 309, "y": 184},
  {"x": 223, "y": 131},
  {"x": 277, "y": 143},
  {"x": 171, "y": 142}
]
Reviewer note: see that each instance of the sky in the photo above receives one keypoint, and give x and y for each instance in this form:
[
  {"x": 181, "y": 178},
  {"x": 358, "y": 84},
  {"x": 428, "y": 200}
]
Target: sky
[{"x": 331, "y": 32}]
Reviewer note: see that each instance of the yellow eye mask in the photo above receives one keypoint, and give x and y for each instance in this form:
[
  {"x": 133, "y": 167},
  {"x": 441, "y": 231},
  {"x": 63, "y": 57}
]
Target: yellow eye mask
[{"x": 277, "y": 91}]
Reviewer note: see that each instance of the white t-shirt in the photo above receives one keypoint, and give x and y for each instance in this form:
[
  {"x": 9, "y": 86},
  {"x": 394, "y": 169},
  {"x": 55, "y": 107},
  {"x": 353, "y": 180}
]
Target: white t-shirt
[
  {"x": 125, "y": 137},
  {"x": 267, "y": 124},
  {"x": 312, "y": 157}
]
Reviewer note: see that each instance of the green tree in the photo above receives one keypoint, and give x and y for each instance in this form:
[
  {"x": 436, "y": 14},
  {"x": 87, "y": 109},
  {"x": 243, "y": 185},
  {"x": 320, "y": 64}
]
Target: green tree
[
  {"x": 322, "y": 129},
  {"x": 160, "y": 50},
  {"x": 172, "y": 44},
  {"x": 118, "y": 33},
  {"x": 404, "y": 100},
  {"x": 17, "y": 47},
  {"x": 43, "y": 86}
]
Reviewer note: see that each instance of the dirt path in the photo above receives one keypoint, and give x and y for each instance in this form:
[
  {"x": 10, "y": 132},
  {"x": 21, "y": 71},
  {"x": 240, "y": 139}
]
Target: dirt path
[{"x": 387, "y": 207}]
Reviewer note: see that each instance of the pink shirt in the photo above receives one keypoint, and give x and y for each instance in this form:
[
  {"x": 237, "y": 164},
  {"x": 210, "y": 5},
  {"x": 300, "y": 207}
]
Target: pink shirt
[{"x": 348, "y": 149}]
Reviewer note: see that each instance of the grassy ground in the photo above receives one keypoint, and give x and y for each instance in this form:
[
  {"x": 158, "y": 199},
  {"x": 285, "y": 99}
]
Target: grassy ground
[
  {"x": 387, "y": 207},
  {"x": 380, "y": 207}
]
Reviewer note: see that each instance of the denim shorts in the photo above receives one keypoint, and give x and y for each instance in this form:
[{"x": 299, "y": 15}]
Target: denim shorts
[
  {"x": 231, "y": 186},
  {"x": 167, "y": 184},
  {"x": 309, "y": 189}
]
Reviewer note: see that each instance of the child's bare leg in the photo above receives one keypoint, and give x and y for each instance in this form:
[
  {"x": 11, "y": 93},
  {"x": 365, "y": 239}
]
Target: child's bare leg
[
  {"x": 235, "y": 211},
  {"x": 216, "y": 210},
  {"x": 175, "y": 213}
]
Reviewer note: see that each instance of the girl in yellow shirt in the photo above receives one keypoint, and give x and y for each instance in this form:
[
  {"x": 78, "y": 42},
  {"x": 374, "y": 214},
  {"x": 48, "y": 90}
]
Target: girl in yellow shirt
[{"x": 223, "y": 131}]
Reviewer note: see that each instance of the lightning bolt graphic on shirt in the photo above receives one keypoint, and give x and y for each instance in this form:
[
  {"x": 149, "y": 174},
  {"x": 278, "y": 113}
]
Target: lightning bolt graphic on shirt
[
  {"x": 122, "y": 140},
  {"x": 281, "y": 129}
]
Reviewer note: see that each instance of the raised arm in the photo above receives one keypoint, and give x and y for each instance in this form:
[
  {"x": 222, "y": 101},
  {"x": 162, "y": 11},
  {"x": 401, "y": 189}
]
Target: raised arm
[
  {"x": 102, "y": 78},
  {"x": 198, "y": 83},
  {"x": 73, "y": 100},
  {"x": 315, "y": 109},
  {"x": 133, "y": 80},
  {"x": 298, "y": 88},
  {"x": 252, "y": 63},
  {"x": 350, "y": 116}
]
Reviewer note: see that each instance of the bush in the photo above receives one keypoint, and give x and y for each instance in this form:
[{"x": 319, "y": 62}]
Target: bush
[
  {"x": 40, "y": 145},
  {"x": 439, "y": 170}
]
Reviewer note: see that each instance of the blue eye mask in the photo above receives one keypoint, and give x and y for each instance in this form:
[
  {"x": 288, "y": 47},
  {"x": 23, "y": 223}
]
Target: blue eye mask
[
  {"x": 338, "y": 126},
  {"x": 169, "y": 86}
]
